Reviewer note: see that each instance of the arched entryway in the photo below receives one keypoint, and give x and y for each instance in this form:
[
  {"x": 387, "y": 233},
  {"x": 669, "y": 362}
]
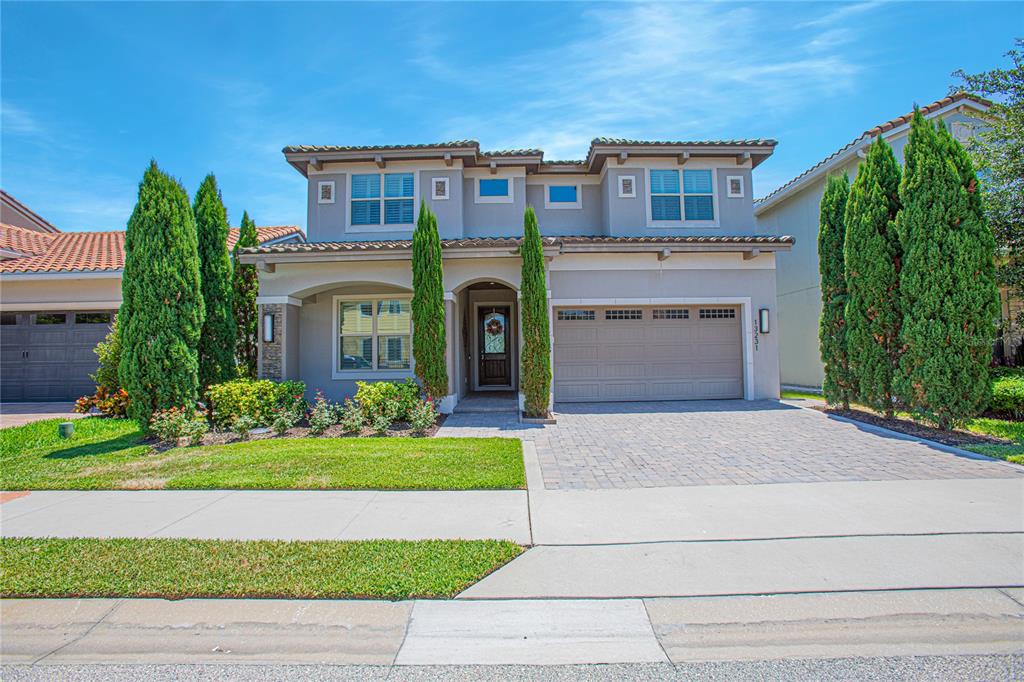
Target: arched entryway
[{"x": 488, "y": 341}]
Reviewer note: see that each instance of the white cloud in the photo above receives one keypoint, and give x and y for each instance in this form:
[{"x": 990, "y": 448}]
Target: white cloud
[
  {"x": 666, "y": 71},
  {"x": 18, "y": 121}
]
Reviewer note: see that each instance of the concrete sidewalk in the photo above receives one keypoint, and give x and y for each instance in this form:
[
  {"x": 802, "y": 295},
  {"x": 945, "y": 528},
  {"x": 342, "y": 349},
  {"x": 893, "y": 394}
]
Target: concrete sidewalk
[
  {"x": 535, "y": 632},
  {"x": 270, "y": 514}
]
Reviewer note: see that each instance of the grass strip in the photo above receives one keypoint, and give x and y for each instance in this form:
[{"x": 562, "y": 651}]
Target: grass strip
[
  {"x": 178, "y": 569},
  {"x": 109, "y": 454}
]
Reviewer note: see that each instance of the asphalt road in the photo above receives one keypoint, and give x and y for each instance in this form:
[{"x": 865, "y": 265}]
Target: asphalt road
[{"x": 938, "y": 668}]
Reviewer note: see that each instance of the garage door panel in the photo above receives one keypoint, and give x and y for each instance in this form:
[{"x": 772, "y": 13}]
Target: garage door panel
[
  {"x": 38, "y": 337},
  {"x": 669, "y": 358},
  {"x": 58, "y": 354}
]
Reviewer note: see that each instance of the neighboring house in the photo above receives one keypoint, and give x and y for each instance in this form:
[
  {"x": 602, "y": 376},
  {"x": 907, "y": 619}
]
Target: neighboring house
[
  {"x": 13, "y": 212},
  {"x": 59, "y": 292},
  {"x": 657, "y": 276},
  {"x": 793, "y": 209}
]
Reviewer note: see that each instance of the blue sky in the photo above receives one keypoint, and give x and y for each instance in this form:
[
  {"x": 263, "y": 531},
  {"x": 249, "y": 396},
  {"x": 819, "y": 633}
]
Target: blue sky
[{"x": 91, "y": 92}]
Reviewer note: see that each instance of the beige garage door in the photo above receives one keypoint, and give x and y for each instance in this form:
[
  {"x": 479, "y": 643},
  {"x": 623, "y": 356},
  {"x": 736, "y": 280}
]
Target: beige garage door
[{"x": 608, "y": 353}]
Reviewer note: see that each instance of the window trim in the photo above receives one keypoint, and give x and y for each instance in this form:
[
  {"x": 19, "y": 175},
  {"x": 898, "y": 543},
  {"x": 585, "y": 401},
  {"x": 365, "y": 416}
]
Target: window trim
[
  {"x": 434, "y": 196},
  {"x": 495, "y": 200},
  {"x": 382, "y": 226},
  {"x": 671, "y": 224},
  {"x": 560, "y": 205},
  {"x": 374, "y": 373},
  {"x": 320, "y": 192},
  {"x": 728, "y": 186},
  {"x": 622, "y": 193}
]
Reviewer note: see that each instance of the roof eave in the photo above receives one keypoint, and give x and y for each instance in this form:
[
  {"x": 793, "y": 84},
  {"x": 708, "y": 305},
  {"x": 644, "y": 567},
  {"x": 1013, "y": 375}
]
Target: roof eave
[
  {"x": 301, "y": 160},
  {"x": 599, "y": 153}
]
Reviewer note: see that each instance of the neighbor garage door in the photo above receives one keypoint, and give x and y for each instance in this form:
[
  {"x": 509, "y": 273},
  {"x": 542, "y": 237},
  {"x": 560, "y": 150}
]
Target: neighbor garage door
[
  {"x": 48, "y": 355},
  {"x": 608, "y": 353}
]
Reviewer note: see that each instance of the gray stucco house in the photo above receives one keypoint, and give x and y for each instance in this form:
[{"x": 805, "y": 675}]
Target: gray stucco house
[
  {"x": 660, "y": 287},
  {"x": 793, "y": 209}
]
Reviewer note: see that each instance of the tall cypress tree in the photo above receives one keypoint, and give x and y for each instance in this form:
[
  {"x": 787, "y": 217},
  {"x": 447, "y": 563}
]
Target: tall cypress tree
[
  {"x": 536, "y": 326},
  {"x": 873, "y": 259},
  {"x": 838, "y": 385},
  {"x": 947, "y": 290},
  {"x": 246, "y": 286},
  {"x": 428, "y": 318},
  {"x": 217, "y": 341},
  {"x": 162, "y": 306}
]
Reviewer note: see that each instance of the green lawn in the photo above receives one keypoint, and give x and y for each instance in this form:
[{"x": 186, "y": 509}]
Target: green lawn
[
  {"x": 801, "y": 395},
  {"x": 108, "y": 454},
  {"x": 176, "y": 569}
]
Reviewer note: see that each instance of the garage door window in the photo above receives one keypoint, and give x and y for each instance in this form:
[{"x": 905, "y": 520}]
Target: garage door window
[
  {"x": 92, "y": 318},
  {"x": 623, "y": 314},
  {"x": 8, "y": 318},
  {"x": 717, "y": 313},
  {"x": 671, "y": 314},
  {"x": 51, "y": 318},
  {"x": 575, "y": 315}
]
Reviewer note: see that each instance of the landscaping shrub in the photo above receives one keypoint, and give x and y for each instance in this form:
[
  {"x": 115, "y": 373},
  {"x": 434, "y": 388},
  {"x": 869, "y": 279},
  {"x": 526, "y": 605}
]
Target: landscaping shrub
[
  {"x": 245, "y": 286},
  {"x": 1008, "y": 396},
  {"x": 321, "y": 416},
  {"x": 387, "y": 398},
  {"x": 282, "y": 422},
  {"x": 350, "y": 416},
  {"x": 423, "y": 416},
  {"x": 535, "y": 358},
  {"x": 217, "y": 340},
  {"x": 838, "y": 382},
  {"x": 110, "y": 399},
  {"x": 175, "y": 423},
  {"x": 255, "y": 399},
  {"x": 428, "y": 323},
  {"x": 243, "y": 426},
  {"x": 113, "y": 404}
]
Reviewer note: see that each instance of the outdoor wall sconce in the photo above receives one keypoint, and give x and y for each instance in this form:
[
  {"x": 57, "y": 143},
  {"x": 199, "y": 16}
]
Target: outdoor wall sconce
[
  {"x": 268, "y": 328},
  {"x": 762, "y": 321}
]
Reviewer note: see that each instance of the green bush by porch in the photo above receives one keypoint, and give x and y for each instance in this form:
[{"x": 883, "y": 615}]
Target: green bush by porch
[
  {"x": 178, "y": 569},
  {"x": 110, "y": 454},
  {"x": 536, "y": 329},
  {"x": 428, "y": 314}
]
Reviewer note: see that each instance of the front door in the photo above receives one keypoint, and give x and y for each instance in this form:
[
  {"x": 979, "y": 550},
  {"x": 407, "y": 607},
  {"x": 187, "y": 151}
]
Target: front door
[{"x": 495, "y": 352}]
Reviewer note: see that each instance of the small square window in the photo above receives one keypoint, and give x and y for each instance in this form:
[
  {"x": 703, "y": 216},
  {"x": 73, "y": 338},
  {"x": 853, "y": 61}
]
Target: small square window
[
  {"x": 735, "y": 185},
  {"x": 439, "y": 190},
  {"x": 325, "y": 192},
  {"x": 51, "y": 318},
  {"x": 627, "y": 186}
]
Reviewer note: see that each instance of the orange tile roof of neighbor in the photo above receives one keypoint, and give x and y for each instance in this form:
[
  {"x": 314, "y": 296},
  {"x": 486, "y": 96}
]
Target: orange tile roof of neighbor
[{"x": 87, "y": 251}]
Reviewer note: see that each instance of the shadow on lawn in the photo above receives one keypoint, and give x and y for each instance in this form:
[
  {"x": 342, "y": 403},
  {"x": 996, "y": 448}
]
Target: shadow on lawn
[{"x": 105, "y": 447}]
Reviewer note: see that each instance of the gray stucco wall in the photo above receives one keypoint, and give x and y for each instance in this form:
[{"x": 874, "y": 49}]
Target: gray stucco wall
[
  {"x": 625, "y": 216},
  {"x": 757, "y": 284},
  {"x": 493, "y": 220},
  {"x": 585, "y": 220},
  {"x": 448, "y": 212}
]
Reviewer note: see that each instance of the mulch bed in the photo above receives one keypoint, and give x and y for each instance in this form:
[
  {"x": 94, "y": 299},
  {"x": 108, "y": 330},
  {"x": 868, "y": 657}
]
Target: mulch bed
[{"x": 912, "y": 428}]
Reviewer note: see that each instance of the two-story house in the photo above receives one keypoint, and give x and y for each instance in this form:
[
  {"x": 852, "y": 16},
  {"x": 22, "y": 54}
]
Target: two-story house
[{"x": 659, "y": 286}]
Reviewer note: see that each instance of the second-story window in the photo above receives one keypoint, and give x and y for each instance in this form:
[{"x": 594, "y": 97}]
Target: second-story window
[
  {"x": 563, "y": 196},
  {"x": 694, "y": 200},
  {"x": 494, "y": 190},
  {"x": 392, "y": 206}
]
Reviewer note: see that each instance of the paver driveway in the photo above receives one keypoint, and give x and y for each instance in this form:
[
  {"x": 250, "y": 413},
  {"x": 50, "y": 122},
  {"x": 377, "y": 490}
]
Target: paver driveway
[{"x": 722, "y": 442}]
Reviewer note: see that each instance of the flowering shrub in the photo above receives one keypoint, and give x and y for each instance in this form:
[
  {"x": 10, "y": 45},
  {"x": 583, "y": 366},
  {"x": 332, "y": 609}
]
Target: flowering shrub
[
  {"x": 110, "y": 404},
  {"x": 243, "y": 426},
  {"x": 422, "y": 416},
  {"x": 387, "y": 399},
  {"x": 350, "y": 416},
  {"x": 255, "y": 399},
  {"x": 322, "y": 416},
  {"x": 176, "y": 423}
]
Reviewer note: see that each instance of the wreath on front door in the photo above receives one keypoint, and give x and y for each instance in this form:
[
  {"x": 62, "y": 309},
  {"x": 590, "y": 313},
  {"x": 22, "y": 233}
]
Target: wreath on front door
[{"x": 494, "y": 327}]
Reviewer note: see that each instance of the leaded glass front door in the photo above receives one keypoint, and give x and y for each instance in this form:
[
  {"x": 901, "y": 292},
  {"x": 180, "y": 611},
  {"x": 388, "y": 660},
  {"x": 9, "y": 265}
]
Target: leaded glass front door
[{"x": 495, "y": 354}]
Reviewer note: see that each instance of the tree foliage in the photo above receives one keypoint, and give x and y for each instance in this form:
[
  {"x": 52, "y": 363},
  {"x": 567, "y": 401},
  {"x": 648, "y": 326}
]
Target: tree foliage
[
  {"x": 873, "y": 256},
  {"x": 217, "y": 340},
  {"x": 536, "y": 326},
  {"x": 947, "y": 281},
  {"x": 997, "y": 151},
  {"x": 246, "y": 286},
  {"x": 838, "y": 385},
  {"x": 429, "y": 342},
  {"x": 162, "y": 306}
]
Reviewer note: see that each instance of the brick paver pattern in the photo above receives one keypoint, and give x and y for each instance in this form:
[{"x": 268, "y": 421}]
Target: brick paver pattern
[{"x": 728, "y": 442}]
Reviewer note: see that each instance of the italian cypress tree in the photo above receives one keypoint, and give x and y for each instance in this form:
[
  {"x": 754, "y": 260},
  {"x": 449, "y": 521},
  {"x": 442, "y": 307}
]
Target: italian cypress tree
[
  {"x": 246, "y": 286},
  {"x": 162, "y": 306},
  {"x": 873, "y": 256},
  {"x": 428, "y": 317},
  {"x": 536, "y": 352},
  {"x": 947, "y": 290},
  {"x": 217, "y": 341},
  {"x": 838, "y": 385}
]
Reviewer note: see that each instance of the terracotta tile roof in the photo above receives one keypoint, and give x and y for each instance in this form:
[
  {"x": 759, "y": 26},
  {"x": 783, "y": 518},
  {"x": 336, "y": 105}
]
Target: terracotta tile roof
[
  {"x": 871, "y": 133},
  {"x": 306, "y": 148},
  {"x": 24, "y": 240},
  {"x": 512, "y": 242},
  {"x": 623, "y": 142},
  {"x": 93, "y": 251}
]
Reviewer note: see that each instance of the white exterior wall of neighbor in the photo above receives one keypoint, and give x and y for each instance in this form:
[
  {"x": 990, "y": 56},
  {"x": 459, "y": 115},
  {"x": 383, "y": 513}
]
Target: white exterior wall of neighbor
[
  {"x": 60, "y": 291},
  {"x": 798, "y": 279}
]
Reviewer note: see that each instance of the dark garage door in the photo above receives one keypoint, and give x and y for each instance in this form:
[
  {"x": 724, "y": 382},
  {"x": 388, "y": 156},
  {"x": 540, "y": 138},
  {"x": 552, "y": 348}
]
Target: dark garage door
[{"x": 48, "y": 355}]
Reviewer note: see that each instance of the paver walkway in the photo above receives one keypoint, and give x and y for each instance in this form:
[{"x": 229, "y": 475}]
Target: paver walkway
[{"x": 722, "y": 442}]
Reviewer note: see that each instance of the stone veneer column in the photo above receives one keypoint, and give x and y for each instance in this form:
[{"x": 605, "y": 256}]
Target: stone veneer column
[{"x": 271, "y": 360}]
